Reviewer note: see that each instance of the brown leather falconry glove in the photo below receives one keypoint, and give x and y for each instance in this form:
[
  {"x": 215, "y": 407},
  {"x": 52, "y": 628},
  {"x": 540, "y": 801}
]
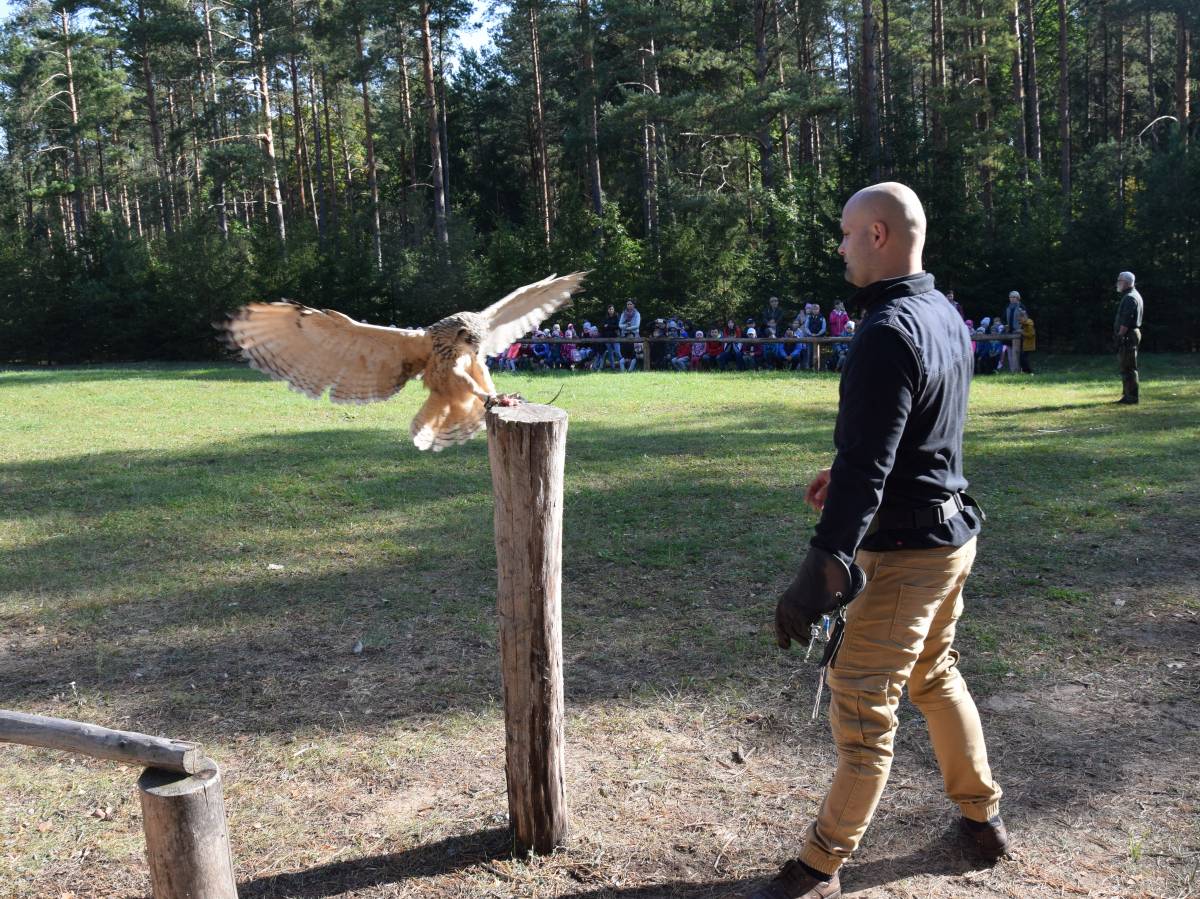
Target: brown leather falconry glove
[{"x": 823, "y": 584}]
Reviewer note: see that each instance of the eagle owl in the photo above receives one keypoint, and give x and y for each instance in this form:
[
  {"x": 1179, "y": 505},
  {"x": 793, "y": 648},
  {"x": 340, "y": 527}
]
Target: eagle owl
[{"x": 315, "y": 350}]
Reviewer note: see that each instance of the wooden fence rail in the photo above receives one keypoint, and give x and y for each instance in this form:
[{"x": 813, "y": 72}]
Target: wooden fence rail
[
  {"x": 816, "y": 342},
  {"x": 183, "y": 810}
]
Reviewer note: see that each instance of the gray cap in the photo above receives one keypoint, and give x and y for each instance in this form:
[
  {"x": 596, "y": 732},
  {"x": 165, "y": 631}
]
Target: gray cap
[{"x": 1126, "y": 276}]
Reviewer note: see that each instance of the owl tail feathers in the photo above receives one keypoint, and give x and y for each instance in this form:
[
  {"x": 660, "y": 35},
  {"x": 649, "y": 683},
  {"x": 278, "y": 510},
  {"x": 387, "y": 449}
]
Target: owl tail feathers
[{"x": 446, "y": 421}]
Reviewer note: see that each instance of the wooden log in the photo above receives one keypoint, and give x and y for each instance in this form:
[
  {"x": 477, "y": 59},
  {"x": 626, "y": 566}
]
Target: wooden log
[
  {"x": 527, "y": 450},
  {"x": 187, "y": 842},
  {"x": 100, "y": 742}
]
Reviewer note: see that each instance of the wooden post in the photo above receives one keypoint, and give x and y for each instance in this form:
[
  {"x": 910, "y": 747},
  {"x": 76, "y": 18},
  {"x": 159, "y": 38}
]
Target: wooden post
[
  {"x": 527, "y": 449},
  {"x": 187, "y": 842}
]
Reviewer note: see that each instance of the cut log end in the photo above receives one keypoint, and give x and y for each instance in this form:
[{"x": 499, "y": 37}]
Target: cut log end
[{"x": 528, "y": 413}]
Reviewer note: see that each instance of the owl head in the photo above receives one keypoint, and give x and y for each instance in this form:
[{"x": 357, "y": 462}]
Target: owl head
[{"x": 465, "y": 332}]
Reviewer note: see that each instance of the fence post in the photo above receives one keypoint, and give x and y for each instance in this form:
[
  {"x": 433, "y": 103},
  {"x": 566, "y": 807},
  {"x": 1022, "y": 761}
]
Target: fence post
[
  {"x": 187, "y": 842},
  {"x": 527, "y": 450}
]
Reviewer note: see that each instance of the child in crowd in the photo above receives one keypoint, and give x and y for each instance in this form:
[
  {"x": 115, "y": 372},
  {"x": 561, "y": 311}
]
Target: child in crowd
[
  {"x": 841, "y": 350},
  {"x": 1028, "y": 340},
  {"x": 774, "y": 355},
  {"x": 698, "y": 348},
  {"x": 731, "y": 353},
  {"x": 793, "y": 348},
  {"x": 752, "y": 353},
  {"x": 541, "y": 351},
  {"x": 1001, "y": 346},
  {"x": 713, "y": 348},
  {"x": 567, "y": 351},
  {"x": 838, "y": 318},
  {"x": 682, "y": 359}
]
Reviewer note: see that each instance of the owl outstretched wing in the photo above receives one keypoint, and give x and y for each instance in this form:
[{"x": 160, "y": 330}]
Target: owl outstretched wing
[
  {"x": 525, "y": 308},
  {"x": 317, "y": 350}
]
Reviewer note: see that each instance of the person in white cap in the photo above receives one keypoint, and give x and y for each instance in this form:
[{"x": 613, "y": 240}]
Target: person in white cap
[
  {"x": 1012, "y": 325},
  {"x": 1128, "y": 332}
]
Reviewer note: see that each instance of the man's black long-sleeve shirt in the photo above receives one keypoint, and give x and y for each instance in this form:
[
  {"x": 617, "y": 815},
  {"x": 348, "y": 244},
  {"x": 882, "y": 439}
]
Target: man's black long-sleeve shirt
[{"x": 903, "y": 404}]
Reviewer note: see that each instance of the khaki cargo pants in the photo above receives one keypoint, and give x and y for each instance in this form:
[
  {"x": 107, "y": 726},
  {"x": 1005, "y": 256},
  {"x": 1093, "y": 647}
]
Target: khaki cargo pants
[{"x": 899, "y": 633}]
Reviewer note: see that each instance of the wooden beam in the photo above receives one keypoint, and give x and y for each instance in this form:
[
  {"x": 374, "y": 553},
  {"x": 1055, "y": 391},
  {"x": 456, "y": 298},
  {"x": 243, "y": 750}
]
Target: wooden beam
[{"x": 100, "y": 742}]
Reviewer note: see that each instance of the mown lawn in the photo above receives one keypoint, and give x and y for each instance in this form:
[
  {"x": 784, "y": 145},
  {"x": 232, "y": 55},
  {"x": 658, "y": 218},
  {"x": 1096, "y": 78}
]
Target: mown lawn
[{"x": 194, "y": 550}]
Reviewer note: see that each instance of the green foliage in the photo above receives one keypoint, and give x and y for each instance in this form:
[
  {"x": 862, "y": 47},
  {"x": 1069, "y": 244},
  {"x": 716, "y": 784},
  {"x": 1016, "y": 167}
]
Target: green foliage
[{"x": 111, "y": 238}]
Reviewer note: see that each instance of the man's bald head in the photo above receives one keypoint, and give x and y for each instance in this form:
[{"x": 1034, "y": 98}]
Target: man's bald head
[{"x": 883, "y": 233}]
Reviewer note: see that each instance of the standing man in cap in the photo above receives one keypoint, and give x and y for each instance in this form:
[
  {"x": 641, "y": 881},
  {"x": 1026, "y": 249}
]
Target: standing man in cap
[
  {"x": 893, "y": 548},
  {"x": 1128, "y": 331}
]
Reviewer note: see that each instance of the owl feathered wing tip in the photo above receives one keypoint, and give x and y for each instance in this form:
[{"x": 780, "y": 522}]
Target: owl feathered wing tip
[{"x": 527, "y": 307}]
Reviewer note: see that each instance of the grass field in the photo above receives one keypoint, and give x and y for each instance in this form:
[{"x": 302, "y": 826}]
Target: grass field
[{"x": 193, "y": 551}]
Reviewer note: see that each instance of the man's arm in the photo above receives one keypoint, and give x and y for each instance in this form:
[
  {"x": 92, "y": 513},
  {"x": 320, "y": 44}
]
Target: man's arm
[
  {"x": 878, "y": 385},
  {"x": 1126, "y": 315}
]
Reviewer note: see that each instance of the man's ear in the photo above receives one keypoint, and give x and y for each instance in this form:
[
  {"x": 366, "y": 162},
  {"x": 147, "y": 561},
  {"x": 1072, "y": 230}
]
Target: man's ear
[{"x": 879, "y": 233}]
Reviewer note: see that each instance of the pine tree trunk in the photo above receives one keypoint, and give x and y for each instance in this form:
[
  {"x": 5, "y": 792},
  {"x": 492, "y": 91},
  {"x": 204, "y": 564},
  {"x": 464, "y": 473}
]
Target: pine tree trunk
[
  {"x": 649, "y": 161},
  {"x": 103, "y": 174},
  {"x": 1064, "y": 110},
  {"x": 762, "y": 72},
  {"x": 322, "y": 204},
  {"x": 1018, "y": 90},
  {"x": 1121, "y": 119},
  {"x": 408, "y": 148},
  {"x": 869, "y": 93},
  {"x": 1035, "y": 115},
  {"x": 1183, "y": 87},
  {"x": 1120, "y": 84},
  {"x": 166, "y": 206},
  {"x": 441, "y": 230},
  {"x": 1104, "y": 122},
  {"x": 985, "y": 118},
  {"x": 541, "y": 170},
  {"x": 300, "y": 145},
  {"x": 937, "y": 72},
  {"x": 268, "y": 135},
  {"x": 591, "y": 113},
  {"x": 211, "y": 102},
  {"x": 174, "y": 119},
  {"x": 76, "y": 153},
  {"x": 1151, "y": 100},
  {"x": 886, "y": 93},
  {"x": 785, "y": 143},
  {"x": 331, "y": 190},
  {"x": 369, "y": 138}
]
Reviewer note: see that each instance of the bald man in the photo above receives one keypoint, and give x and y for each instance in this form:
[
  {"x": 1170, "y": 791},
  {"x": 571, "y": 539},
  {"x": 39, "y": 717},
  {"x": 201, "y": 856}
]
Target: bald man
[{"x": 893, "y": 547}]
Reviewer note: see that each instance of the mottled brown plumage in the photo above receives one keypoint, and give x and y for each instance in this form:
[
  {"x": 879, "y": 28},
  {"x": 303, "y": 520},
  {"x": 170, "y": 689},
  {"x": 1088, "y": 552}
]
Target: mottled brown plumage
[{"x": 316, "y": 351}]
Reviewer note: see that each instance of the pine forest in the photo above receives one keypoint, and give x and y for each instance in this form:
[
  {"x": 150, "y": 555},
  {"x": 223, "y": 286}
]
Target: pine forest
[{"x": 163, "y": 161}]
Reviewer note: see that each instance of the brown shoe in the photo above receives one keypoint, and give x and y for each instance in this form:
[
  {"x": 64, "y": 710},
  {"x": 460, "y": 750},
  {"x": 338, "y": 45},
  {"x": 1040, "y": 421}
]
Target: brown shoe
[
  {"x": 988, "y": 838},
  {"x": 795, "y": 882}
]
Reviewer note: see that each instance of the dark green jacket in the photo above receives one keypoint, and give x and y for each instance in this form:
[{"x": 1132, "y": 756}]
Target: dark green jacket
[{"x": 1129, "y": 313}]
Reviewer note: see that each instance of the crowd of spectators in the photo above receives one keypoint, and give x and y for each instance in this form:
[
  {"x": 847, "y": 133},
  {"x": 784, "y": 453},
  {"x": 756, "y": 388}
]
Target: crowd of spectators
[
  {"x": 1000, "y": 353},
  {"x": 772, "y": 340}
]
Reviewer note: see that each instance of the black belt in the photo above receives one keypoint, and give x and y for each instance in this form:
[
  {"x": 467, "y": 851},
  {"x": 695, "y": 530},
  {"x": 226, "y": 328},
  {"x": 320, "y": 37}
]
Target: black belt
[{"x": 915, "y": 519}]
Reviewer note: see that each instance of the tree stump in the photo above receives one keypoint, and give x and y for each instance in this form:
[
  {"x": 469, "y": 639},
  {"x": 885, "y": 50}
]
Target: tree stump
[
  {"x": 187, "y": 842},
  {"x": 527, "y": 450}
]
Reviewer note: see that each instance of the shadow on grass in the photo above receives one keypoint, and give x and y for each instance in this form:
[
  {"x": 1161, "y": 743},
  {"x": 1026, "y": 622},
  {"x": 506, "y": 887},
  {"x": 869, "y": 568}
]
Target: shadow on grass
[
  {"x": 151, "y": 568},
  {"x": 432, "y": 860},
  {"x": 23, "y": 376},
  {"x": 458, "y": 853}
]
